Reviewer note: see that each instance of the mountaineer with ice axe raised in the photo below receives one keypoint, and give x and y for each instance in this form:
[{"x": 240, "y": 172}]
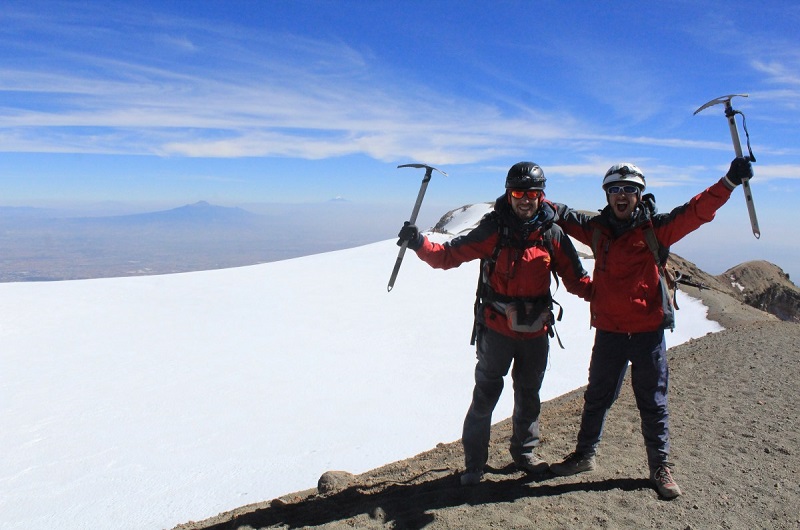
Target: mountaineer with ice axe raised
[
  {"x": 519, "y": 247},
  {"x": 630, "y": 307}
]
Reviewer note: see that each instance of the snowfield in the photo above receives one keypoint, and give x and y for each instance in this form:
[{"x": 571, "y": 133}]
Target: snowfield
[{"x": 146, "y": 402}]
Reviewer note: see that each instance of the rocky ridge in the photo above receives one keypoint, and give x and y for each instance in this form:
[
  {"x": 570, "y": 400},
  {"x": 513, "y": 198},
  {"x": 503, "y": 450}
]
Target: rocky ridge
[{"x": 759, "y": 284}]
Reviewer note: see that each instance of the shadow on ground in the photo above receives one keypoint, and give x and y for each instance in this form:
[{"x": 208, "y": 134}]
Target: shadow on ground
[{"x": 412, "y": 504}]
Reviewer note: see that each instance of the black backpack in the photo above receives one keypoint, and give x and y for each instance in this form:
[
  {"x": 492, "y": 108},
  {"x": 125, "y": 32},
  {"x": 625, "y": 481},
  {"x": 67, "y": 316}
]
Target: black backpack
[{"x": 484, "y": 293}]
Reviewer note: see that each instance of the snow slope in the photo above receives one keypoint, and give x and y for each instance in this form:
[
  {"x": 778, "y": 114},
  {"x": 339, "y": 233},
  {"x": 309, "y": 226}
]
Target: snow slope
[{"x": 145, "y": 402}]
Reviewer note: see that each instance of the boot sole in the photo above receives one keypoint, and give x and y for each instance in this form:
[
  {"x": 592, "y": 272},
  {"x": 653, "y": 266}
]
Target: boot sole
[
  {"x": 568, "y": 472},
  {"x": 534, "y": 469}
]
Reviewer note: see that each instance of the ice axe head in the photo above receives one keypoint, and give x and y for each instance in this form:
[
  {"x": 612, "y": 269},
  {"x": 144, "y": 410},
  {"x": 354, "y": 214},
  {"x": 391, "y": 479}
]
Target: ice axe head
[
  {"x": 428, "y": 169},
  {"x": 726, "y": 100},
  {"x": 730, "y": 114}
]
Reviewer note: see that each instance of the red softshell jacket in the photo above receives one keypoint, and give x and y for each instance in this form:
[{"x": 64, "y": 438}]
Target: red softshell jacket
[
  {"x": 521, "y": 271},
  {"x": 626, "y": 296}
]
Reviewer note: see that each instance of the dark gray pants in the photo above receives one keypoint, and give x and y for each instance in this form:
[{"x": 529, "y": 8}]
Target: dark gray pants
[
  {"x": 647, "y": 353},
  {"x": 496, "y": 353}
]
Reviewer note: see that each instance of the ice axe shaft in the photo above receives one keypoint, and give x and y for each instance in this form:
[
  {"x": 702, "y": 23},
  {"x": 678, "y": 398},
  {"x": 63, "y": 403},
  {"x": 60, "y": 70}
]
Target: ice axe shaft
[
  {"x": 737, "y": 146},
  {"x": 730, "y": 114},
  {"x": 413, "y": 219}
]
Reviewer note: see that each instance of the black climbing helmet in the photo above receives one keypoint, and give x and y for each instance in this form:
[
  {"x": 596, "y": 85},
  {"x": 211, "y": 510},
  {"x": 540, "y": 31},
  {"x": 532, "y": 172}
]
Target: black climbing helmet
[{"x": 525, "y": 176}]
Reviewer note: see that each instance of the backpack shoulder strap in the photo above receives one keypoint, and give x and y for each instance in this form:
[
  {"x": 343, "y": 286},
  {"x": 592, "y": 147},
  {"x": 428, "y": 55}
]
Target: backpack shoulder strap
[
  {"x": 547, "y": 243},
  {"x": 486, "y": 268},
  {"x": 595, "y": 240},
  {"x": 660, "y": 255},
  {"x": 652, "y": 243}
]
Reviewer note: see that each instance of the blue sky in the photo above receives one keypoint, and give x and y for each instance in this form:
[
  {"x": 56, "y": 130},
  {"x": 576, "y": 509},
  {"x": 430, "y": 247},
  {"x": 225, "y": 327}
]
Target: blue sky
[{"x": 243, "y": 102}]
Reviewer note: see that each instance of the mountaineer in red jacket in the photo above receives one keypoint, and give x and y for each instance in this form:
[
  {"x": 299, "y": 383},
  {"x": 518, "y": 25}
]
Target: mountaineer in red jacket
[
  {"x": 519, "y": 247},
  {"x": 630, "y": 310}
]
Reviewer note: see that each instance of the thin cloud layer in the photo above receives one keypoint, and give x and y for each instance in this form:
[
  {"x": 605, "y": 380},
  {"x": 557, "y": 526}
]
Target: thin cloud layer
[
  {"x": 171, "y": 86},
  {"x": 266, "y": 82}
]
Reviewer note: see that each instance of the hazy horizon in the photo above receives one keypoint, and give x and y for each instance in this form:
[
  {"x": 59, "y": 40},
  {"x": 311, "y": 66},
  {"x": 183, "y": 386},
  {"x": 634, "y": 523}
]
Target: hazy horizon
[{"x": 93, "y": 242}]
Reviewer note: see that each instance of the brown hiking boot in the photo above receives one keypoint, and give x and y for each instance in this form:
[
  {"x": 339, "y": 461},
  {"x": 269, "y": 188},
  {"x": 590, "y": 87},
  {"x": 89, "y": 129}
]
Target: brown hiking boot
[
  {"x": 531, "y": 463},
  {"x": 665, "y": 484},
  {"x": 572, "y": 464}
]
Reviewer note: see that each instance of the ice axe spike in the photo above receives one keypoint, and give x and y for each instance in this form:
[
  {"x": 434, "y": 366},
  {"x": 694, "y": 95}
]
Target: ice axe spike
[
  {"x": 730, "y": 114},
  {"x": 413, "y": 219}
]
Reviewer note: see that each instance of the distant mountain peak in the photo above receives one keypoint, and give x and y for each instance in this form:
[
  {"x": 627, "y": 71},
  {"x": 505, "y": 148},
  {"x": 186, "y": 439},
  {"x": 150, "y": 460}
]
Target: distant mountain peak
[
  {"x": 198, "y": 212},
  {"x": 203, "y": 210}
]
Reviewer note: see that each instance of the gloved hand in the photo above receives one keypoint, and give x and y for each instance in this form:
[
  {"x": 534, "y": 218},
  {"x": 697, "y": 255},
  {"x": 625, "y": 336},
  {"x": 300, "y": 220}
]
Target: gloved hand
[
  {"x": 649, "y": 203},
  {"x": 740, "y": 169},
  {"x": 411, "y": 234}
]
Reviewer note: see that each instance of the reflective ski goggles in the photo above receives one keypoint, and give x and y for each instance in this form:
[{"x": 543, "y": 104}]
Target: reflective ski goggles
[
  {"x": 613, "y": 190},
  {"x": 531, "y": 194}
]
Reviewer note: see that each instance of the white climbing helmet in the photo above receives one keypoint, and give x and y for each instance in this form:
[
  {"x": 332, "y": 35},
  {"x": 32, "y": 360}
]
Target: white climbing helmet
[{"x": 624, "y": 173}]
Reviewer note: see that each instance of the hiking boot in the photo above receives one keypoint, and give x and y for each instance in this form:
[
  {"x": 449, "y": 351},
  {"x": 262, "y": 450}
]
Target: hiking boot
[
  {"x": 471, "y": 478},
  {"x": 665, "y": 484},
  {"x": 531, "y": 463},
  {"x": 574, "y": 463}
]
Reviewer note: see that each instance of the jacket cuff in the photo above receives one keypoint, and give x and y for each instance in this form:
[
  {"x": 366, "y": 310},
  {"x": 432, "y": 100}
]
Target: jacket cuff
[
  {"x": 728, "y": 184},
  {"x": 416, "y": 244}
]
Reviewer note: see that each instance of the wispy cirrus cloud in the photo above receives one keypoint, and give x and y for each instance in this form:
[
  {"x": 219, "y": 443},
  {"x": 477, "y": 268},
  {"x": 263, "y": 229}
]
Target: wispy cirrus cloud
[
  {"x": 780, "y": 72},
  {"x": 178, "y": 87},
  {"x": 257, "y": 113}
]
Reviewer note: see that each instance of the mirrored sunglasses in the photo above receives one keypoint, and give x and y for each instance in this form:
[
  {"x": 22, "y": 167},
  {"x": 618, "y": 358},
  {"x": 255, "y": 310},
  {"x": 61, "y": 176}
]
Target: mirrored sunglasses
[
  {"x": 531, "y": 194},
  {"x": 613, "y": 190}
]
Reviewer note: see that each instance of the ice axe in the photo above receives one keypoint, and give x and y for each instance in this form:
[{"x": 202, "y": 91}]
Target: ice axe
[
  {"x": 737, "y": 146},
  {"x": 428, "y": 172}
]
